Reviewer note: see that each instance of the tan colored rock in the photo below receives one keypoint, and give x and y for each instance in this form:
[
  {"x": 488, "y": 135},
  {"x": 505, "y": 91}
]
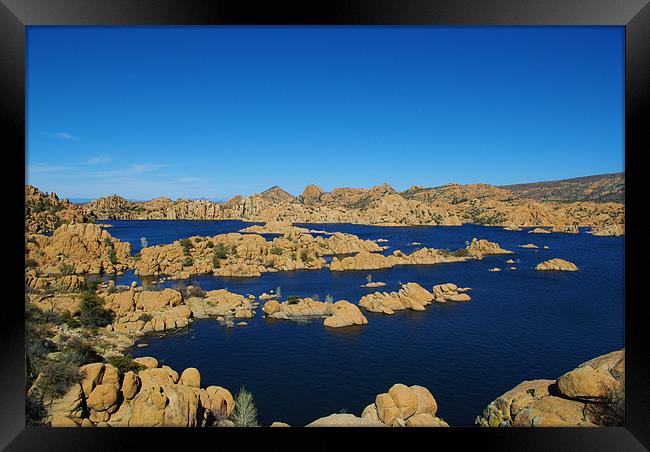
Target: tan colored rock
[
  {"x": 191, "y": 377},
  {"x": 425, "y": 420},
  {"x": 586, "y": 383},
  {"x": 279, "y": 424},
  {"x": 130, "y": 385},
  {"x": 345, "y": 314},
  {"x": 344, "y": 420},
  {"x": 426, "y": 403},
  {"x": 221, "y": 400},
  {"x": 405, "y": 399},
  {"x": 92, "y": 375},
  {"x": 62, "y": 421},
  {"x": 557, "y": 265},
  {"x": 271, "y": 307},
  {"x": 147, "y": 361},
  {"x": 148, "y": 408},
  {"x": 103, "y": 397}
]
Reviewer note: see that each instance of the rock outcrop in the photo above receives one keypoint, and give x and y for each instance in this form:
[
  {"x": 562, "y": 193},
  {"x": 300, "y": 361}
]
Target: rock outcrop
[
  {"x": 557, "y": 265},
  {"x": 345, "y": 314},
  {"x": 247, "y": 255},
  {"x": 482, "y": 247},
  {"x": 614, "y": 230},
  {"x": 78, "y": 248},
  {"x": 590, "y": 395},
  {"x": 45, "y": 212},
  {"x": 375, "y": 261},
  {"x": 404, "y": 406},
  {"x": 410, "y": 296},
  {"x": 443, "y": 293},
  {"x": 150, "y": 397},
  {"x": 336, "y": 315}
]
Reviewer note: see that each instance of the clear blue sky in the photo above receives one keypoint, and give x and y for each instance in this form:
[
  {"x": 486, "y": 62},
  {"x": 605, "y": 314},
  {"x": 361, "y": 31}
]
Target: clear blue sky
[{"x": 213, "y": 111}]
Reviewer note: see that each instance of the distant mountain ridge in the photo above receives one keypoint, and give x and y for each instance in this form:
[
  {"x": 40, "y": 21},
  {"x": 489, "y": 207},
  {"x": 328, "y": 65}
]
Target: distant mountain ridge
[
  {"x": 598, "y": 188},
  {"x": 584, "y": 201}
]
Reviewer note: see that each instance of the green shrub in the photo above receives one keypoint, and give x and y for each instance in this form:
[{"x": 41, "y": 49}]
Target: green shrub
[
  {"x": 112, "y": 257},
  {"x": 329, "y": 298},
  {"x": 305, "y": 257},
  {"x": 66, "y": 269},
  {"x": 245, "y": 413},
  {"x": 293, "y": 299},
  {"x": 79, "y": 352},
  {"x": 210, "y": 244},
  {"x": 195, "y": 291},
  {"x": 186, "y": 244},
  {"x": 275, "y": 250},
  {"x": 145, "y": 317},
  {"x": 216, "y": 262},
  {"x": 188, "y": 262},
  {"x": 69, "y": 319},
  {"x": 35, "y": 411},
  {"x": 125, "y": 363},
  {"x": 58, "y": 377},
  {"x": 220, "y": 251},
  {"x": 30, "y": 263},
  {"x": 92, "y": 311}
]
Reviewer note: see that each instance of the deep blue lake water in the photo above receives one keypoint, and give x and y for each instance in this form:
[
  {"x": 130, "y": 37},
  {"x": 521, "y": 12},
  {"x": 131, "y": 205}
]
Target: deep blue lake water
[{"x": 519, "y": 325}]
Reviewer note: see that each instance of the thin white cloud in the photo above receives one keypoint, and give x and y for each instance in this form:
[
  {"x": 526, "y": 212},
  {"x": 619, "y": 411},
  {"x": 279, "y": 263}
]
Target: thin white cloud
[
  {"x": 99, "y": 159},
  {"x": 66, "y": 136}
]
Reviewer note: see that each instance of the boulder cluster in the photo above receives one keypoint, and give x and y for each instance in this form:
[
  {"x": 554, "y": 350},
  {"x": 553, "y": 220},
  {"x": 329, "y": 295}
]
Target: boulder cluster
[
  {"x": 482, "y": 247},
  {"x": 591, "y": 394},
  {"x": 77, "y": 248},
  {"x": 410, "y": 296},
  {"x": 450, "y": 292},
  {"x": 336, "y": 315},
  {"x": 151, "y": 397}
]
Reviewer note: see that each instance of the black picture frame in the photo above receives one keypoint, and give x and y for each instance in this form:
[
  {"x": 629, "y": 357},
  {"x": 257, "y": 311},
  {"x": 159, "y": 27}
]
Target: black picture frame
[{"x": 634, "y": 15}]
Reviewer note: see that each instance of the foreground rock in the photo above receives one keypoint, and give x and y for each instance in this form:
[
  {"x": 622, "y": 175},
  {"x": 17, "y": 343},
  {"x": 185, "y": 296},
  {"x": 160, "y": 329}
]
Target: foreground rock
[
  {"x": 401, "y": 406},
  {"x": 410, "y": 296},
  {"x": 150, "y": 397},
  {"x": 591, "y": 395},
  {"x": 345, "y": 420},
  {"x": 557, "y": 265},
  {"x": 405, "y": 406},
  {"x": 450, "y": 292}
]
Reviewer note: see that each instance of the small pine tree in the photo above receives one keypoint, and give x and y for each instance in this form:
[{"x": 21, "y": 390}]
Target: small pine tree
[
  {"x": 143, "y": 242},
  {"x": 245, "y": 413},
  {"x": 369, "y": 278}
]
